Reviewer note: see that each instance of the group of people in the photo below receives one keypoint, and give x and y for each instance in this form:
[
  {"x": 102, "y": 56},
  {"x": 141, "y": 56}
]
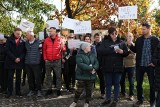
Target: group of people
[{"x": 110, "y": 58}]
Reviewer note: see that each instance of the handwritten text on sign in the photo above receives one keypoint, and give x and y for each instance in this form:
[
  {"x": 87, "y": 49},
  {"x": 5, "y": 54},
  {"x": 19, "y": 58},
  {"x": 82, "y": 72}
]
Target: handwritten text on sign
[
  {"x": 127, "y": 12},
  {"x": 82, "y": 27},
  {"x": 26, "y": 25}
]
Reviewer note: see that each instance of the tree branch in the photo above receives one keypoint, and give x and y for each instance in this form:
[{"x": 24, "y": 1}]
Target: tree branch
[
  {"x": 81, "y": 8},
  {"x": 68, "y": 8}
]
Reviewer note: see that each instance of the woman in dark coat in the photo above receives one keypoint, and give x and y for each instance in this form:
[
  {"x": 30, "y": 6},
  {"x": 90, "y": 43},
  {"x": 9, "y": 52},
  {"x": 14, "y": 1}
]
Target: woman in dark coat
[{"x": 112, "y": 50}]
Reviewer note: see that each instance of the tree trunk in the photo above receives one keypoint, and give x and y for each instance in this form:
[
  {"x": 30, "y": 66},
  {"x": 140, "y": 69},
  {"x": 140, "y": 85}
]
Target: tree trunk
[{"x": 68, "y": 8}]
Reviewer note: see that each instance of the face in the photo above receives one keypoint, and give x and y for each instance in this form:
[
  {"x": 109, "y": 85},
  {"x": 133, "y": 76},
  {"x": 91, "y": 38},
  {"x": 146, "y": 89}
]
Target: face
[
  {"x": 87, "y": 39},
  {"x": 97, "y": 38},
  {"x": 17, "y": 34},
  {"x": 88, "y": 49},
  {"x": 145, "y": 30},
  {"x": 52, "y": 33},
  {"x": 129, "y": 37},
  {"x": 28, "y": 36},
  {"x": 114, "y": 35}
]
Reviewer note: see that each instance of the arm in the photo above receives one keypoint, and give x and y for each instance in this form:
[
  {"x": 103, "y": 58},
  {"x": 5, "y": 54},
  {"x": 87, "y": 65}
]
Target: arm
[
  {"x": 96, "y": 64},
  {"x": 44, "y": 50},
  {"x": 155, "y": 59},
  {"x": 81, "y": 65},
  {"x": 8, "y": 51}
]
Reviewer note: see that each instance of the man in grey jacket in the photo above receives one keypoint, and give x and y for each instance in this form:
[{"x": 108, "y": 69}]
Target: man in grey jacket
[{"x": 32, "y": 63}]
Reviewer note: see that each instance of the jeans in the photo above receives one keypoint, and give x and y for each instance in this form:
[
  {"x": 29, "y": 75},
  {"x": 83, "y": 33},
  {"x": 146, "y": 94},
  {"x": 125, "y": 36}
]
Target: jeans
[
  {"x": 112, "y": 78},
  {"x": 130, "y": 73},
  {"x": 10, "y": 81},
  {"x": 158, "y": 99},
  {"x": 34, "y": 76},
  {"x": 139, "y": 76}
]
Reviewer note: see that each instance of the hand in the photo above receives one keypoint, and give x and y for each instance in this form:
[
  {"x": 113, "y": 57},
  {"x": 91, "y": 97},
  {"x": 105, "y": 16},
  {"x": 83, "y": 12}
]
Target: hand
[
  {"x": 63, "y": 61},
  {"x": 93, "y": 71},
  {"x": 120, "y": 51},
  {"x": 17, "y": 60},
  {"x": 151, "y": 64}
]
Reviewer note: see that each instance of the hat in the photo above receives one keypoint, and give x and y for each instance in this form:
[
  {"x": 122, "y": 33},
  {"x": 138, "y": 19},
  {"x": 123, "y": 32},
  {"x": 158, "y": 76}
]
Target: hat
[{"x": 84, "y": 45}]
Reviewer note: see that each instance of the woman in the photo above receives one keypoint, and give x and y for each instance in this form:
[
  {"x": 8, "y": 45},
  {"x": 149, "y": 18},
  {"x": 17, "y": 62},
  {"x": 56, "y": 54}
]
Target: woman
[
  {"x": 87, "y": 64},
  {"x": 112, "y": 50},
  {"x": 129, "y": 69}
]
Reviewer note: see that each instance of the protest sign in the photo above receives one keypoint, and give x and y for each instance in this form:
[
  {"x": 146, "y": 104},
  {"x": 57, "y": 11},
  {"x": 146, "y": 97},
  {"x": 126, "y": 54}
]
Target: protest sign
[
  {"x": 53, "y": 23},
  {"x": 1, "y": 36},
  {"x": 74, "y": 43},
  {"x": 69, "y": 23},
  {"x": 127, "y": 12},
  {"x": 82, "y": 27},
  {"x": 26, "y": 25}
]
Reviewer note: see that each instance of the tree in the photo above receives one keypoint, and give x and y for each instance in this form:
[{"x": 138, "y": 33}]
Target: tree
[{"x": 12, "y": 11}]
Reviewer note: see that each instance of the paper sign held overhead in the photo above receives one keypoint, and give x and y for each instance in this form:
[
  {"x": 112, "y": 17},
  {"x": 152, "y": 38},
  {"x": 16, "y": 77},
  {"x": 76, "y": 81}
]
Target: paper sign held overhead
[
  {"x": 1, "y": 36},
  {"x": 53, "y": 23},
  {"x": 127, "y": 12},
  {"x": 26, "y": 25},
  {"x": 82, "y": 27},
  {"x": 69, "y": 23}
]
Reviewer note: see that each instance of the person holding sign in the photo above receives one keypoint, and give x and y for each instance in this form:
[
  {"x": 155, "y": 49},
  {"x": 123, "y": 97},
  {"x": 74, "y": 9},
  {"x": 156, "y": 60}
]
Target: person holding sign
[
  {"x": 15, "y": 50},
  {"x": 53, "y": 49},
  {"x": 112, "y": 50}
]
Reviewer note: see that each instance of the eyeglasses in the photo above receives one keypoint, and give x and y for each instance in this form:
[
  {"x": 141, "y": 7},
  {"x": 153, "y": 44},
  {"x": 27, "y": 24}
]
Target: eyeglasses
[
  {"x": 114, "y": 33},
  {"x": 71, "y": 37}
]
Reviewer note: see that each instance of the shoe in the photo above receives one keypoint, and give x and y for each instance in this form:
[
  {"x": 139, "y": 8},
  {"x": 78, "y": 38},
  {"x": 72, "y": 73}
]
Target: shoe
[
  {"x": 19, "y": 94},
  {"x": 106, "y": 102},
  {"x": 138, "y": 103},
  {"x": 152, "y": 105},
  {"x": 31, "y": 93},
  {"x": 48, "y": 92},
  {"x": 73, "y": 104},
  {"x": 123, "y": 95},
  {"x": 86, "y": 105},
  {"x": 114, "y": 103},
  {"x": 102, "y": 96},
  {"x": 131, "y": 98},
  {"x": 39, "y": 93},
  {"x": 8, "y": 96},
  {"x": 58, "y": 93}
]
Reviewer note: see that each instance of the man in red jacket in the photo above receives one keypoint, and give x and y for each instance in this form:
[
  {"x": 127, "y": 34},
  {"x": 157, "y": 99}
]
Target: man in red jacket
[{"x": 52, "y": 52}]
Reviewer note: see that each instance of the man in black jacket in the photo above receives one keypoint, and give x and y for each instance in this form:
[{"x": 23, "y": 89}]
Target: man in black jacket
[
  {"x": 15, "y": 53},
  {"x": 144, "y": 48}
]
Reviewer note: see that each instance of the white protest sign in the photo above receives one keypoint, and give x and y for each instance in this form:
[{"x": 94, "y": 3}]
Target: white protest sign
[
  {"x": 127, "y": 12},
  {"x": 82, "y": 27},
  {"x": 26, "y": 25},
  {"x": 48, "y": 1},
  {"x": 53, "y": 23},
  {"x": 1, "y": 36},
  {"x": 74, "y": 43},
  {"x": 69, "y": 23},
  {"x": 41, "y": 35}
]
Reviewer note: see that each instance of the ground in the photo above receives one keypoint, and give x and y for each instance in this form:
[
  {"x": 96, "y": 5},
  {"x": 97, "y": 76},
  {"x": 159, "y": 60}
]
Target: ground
[{"x": 53, "y": 101}]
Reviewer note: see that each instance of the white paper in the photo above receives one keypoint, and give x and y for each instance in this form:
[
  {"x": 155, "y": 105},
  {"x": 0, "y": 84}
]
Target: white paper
[
  {"x": 127, "y": 12},
  {"x": 82, "y": 27},
  {"x": 74, "y": 43},
  {"x": 41, "y": 35},
  {"x": 53, "y": 23},
  {"x": 69, "y": 23},
  {"x": 26, "y": 25},
  {"x": 1, "y": 36}
]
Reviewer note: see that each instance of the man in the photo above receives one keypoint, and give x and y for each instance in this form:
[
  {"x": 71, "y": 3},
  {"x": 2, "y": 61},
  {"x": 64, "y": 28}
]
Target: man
[
  {"x": 32, "y": 63},
  {"x": 52, "y": 52},
  {"x": 97, "y": 42},
  {"x": 15, "y": 53},
  {"x": 144, "y": 48}
]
